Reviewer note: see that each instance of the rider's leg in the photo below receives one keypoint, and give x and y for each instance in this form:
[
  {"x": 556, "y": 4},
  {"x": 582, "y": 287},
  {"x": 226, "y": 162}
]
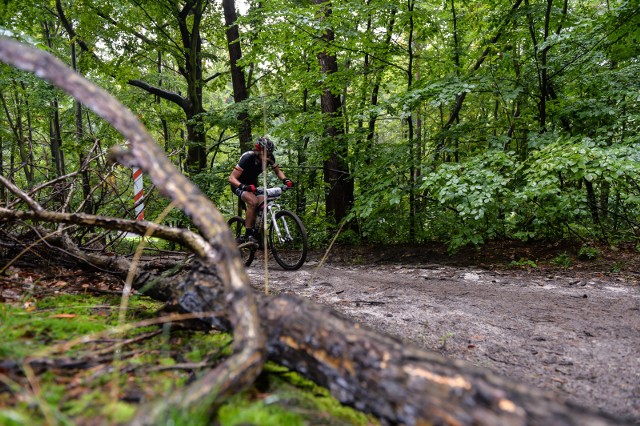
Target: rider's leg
[{"x": 252, "y": 205}]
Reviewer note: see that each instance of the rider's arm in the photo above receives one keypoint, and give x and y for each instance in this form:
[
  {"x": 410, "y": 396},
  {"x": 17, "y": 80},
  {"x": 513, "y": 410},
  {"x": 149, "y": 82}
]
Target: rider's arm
[
  {"x": 235, "y": 176},
  {"x": 279, "y": 172}
]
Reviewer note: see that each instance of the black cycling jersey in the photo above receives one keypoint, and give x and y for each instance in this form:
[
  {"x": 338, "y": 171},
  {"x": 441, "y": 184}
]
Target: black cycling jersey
[{"x": 251, "y": 164}]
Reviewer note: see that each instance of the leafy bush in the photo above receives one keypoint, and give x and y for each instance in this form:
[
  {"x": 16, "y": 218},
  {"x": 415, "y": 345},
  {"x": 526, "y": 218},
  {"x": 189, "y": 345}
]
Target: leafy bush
[
  {"x": 472, "y": 199},
  {"x": 523, "y": 263},
  {"x": 562, "y": 259},
  {"x": 588, "y": 253},
  {"x": 553, "y": 195}
]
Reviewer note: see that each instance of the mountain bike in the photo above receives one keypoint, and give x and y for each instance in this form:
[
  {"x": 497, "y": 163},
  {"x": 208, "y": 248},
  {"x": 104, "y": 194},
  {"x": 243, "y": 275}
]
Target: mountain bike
[{"x": 287, "y": 238}]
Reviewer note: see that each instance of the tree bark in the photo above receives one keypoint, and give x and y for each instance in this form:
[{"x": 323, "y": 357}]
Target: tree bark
[
  {"x": 339, "y": 196},
  {"x": 3, "y": 192},
  {"x": 238, "y": 81},
  {"x": 80, "y": 140},
  {"x": 192, "y": 13}
]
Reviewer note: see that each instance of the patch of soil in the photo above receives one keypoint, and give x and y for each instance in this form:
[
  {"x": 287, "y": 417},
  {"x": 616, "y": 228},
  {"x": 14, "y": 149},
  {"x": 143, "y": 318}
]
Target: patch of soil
[{"x": 536, "y": 314}]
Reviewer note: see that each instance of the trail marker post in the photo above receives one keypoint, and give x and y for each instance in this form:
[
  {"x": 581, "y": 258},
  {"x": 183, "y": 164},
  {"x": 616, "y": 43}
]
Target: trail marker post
[{"x": 138, "y": 193}]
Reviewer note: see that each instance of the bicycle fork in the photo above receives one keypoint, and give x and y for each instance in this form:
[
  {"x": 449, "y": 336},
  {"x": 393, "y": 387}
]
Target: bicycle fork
[{"x": 287, "y": 237}]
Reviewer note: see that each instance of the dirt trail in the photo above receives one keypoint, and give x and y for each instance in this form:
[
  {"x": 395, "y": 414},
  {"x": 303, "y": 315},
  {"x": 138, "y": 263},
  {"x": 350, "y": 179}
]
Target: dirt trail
[{"x": 577, "y": 334}]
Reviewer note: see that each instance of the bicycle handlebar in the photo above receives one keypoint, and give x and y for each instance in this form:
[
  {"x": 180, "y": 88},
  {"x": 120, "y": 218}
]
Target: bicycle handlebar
[{"x": 275, "y": 191}]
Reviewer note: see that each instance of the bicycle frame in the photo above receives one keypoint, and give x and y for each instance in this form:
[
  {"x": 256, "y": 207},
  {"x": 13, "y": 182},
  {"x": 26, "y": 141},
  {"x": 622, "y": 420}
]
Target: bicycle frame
[
  {"x": 272, "y": 209},
  {"x": 276, "y": 227}
]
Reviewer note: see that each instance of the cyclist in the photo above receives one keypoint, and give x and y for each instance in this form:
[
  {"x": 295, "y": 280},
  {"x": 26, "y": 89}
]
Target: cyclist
[{"x": 244, "y": 179}]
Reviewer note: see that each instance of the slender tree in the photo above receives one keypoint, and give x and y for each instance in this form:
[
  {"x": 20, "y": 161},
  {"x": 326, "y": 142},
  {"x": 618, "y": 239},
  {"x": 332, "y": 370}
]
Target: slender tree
[
  {"x": 238, "y": 81},
  {"x": 339, "y": 195}
]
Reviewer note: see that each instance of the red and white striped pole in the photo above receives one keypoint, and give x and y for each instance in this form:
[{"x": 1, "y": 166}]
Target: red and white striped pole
[{"x": 138, "y": 193}]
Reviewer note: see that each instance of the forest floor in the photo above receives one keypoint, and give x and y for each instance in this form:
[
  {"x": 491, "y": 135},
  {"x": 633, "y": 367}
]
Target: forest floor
[{"x": 534, "y": 313}]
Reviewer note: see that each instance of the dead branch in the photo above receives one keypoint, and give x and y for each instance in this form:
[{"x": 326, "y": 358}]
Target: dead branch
[
  {"x": 243, "y": 367},
  {"x": 141, "y": 227}
]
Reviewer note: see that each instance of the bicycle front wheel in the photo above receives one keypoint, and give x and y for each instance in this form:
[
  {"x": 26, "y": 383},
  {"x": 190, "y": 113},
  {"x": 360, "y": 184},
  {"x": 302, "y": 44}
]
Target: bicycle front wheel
[
  {"x": 247, "y": 250},
  {"x": 288, "y": 240}
]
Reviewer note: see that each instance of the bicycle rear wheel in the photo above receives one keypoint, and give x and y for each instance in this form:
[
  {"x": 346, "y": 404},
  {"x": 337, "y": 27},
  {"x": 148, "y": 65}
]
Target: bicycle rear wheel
[
  {"x": 247, "y": 250},
  {"x": 288, "y": 240}
]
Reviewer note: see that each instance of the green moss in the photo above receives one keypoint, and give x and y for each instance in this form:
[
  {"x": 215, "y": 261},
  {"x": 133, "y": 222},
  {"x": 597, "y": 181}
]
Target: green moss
[
  {"x": 73, "y": 396},
  {"x": 14, "y": 418},
  {"x": 39, "y": 323},
  {"x": 240, "y": 411},
  {"x": 287, "y": 398}
]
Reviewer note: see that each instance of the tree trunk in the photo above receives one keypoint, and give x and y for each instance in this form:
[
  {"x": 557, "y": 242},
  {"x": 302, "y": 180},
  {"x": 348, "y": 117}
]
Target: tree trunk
[
  {"x": 368, "y": 149},
  {"x": 592, "y": 201},
  {"x": 82, "y": 157},
  {"x": 192, "y": 13},
  {"x": 29, "y": 137},
  {"x": 238, "y": 81},
  {"x": 301, "y": 193},
  {"x": 339, "y": 196},
  {"x": 16, "y": 125},
  {"x": 55, "y": 134},
  {"x": 544, "y": 77},
  {"x": 410, "y": 136},
  {"x": 3, "y": 191},
  {"x": 163, "y": 121},
  {"x": 57, "y": 155}
]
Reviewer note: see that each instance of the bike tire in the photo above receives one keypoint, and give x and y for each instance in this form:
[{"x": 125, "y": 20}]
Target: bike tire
[
  {"x": 248, "y": 253},
  {"x": 291, "y": 255}
]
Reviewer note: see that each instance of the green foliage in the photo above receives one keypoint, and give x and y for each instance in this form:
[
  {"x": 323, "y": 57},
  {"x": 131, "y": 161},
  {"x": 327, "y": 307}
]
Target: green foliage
[
  {"x": 506, "y": 165},
  {"x": 617, "y": 267},
  {"x": 473, "y": 200},
  {"x": 554, "y": 187},
  {"x": 563, "y": 259},
  {"x": 523, "y": 263},
  {"x": 445, "y": 338},
  {"x": 588, "y": 253}
]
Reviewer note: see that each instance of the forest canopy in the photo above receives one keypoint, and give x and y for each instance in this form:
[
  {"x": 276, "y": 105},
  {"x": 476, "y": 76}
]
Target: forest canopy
[{"x": 458, "y": 122}]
